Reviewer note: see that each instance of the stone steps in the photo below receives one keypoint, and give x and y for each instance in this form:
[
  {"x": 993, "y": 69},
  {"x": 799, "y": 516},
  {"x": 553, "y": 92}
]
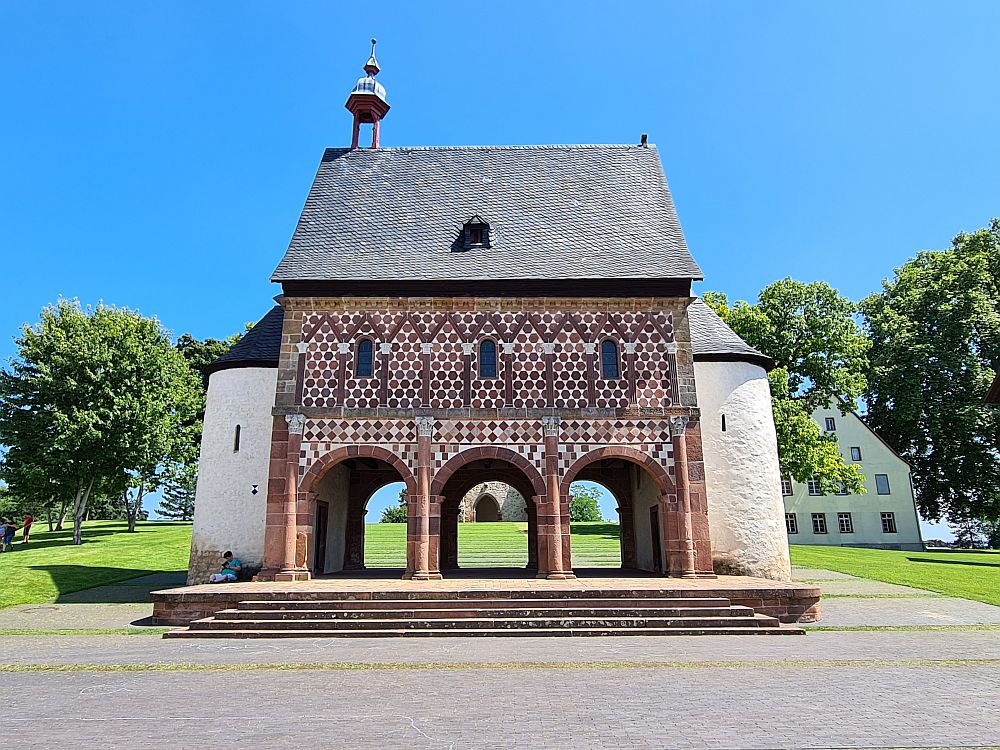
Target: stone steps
[{"x": 317, "y": 614}]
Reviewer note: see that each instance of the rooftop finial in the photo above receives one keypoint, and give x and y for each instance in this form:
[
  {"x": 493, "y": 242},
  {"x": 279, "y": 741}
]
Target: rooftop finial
[{"x": 371, "y": 67}]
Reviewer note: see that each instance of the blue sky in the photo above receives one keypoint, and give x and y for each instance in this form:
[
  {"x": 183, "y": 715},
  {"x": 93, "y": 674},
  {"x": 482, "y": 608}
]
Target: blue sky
[{"x": 157, "y": 155}]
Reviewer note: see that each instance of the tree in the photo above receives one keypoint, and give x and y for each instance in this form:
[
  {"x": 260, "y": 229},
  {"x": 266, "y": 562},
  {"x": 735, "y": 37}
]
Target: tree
[
  {"x": 584, "y": 503},
  {"x": 202, "y": 353},
  {"x": 935, "y": 331},
  {"x": 820, "y": 357},
  {"x": 95, "y": 399},
  {"x": 396, "y": 513},
  {"x": 178, "y": 492}
]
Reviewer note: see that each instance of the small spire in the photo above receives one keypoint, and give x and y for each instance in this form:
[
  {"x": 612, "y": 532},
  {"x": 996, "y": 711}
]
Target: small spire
[{"x": 371, "y": 67}]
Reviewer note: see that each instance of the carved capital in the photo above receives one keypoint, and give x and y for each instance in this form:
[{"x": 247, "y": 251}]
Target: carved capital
[
  {"x": 426, "y": 347},
  {"x": 551, "y": 426},
  {"x": 467, "y": 347},
  {"x": 549, "y": 347},
  {"x": 590, "y": 348},
  {"x": 301, "y": 347},
  {"x": 678, "y": 425},
  {"x": 671, "y": 347},
  {"x": 629, "y": 347},
  {"x": 508, "y": 347},
  {"x": 425, "y": 426},
  {"x": 296, "y": 423},
  {"x": 343, "y": 347},
  {"x": 385, "y": 348}
]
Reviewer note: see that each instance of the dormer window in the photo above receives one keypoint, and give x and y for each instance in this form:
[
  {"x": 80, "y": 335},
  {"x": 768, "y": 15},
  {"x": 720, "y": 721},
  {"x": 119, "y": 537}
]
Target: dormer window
[{"x": 475, "y": 233}]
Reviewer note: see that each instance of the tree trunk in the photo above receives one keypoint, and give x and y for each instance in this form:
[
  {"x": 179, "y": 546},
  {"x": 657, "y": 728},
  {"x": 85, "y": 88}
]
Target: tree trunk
[
  {"x": 80, "y": 510},
  {"x": 48, "y": 511},
  {"x": 132, "y": 507},
  {"x": 62, "y": 514}
]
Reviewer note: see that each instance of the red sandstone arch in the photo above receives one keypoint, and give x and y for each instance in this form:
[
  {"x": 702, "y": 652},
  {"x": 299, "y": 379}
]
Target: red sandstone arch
[
  {"x": 487, "y": 452},
  {"x": 326, "y": 462},
  {"x": 656, "y": 470}
]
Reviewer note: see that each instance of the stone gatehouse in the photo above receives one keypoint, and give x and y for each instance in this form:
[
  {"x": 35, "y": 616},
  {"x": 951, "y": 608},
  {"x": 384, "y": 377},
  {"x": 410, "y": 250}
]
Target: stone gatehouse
[{"x": 454, "y": 316}]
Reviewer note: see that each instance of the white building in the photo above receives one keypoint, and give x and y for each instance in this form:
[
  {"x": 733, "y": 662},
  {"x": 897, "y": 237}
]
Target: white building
[{"x": 885, "y": 517}]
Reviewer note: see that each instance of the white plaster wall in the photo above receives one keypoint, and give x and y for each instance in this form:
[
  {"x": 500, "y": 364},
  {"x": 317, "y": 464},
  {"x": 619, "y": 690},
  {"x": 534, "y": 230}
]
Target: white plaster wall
[
  {"x": 746, "y": 514},
  {"x": 645, "y": 494},
  {"x": 227, "y": 515},
  {"x": 333, "y": 489}
]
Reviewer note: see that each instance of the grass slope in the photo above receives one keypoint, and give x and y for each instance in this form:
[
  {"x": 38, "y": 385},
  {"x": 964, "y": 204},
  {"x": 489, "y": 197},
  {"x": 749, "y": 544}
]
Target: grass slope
[
  {"x": 970, "y": 575},
  {"x": 489, "y": 545},
  {"x": 50, "y": 566}
]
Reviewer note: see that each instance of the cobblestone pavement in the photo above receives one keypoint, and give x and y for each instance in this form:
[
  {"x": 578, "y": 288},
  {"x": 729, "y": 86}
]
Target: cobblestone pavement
[
  {"x": 829, "y": 689},
  {"x": 816, "y": 646},
  {"x": 572, "y": 709}
]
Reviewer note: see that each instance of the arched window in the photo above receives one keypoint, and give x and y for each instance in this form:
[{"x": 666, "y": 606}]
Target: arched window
[
  {"x": 488, "y": 359},
  {"x": 236, "y": 439},
  {"x": 609, "y": 359},
  {"x": 364, "y": 361}
]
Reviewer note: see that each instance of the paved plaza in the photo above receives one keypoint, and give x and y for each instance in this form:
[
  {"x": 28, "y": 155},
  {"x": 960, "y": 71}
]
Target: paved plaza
[{"x": 933, "y": 683}]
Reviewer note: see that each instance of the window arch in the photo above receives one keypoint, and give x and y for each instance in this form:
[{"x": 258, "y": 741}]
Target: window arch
[
  {"x": 364, "y": 359},
  {"x": 610, "y": 367},
  {"x": 487, "y": 358}
]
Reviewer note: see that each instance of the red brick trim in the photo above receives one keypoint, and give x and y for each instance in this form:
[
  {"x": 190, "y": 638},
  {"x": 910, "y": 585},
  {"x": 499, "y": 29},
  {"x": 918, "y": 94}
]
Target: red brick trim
[
  {"x": 326, "y": 462},
  {"x": 476, "y": 454},
  {"x": 647, "y": 462}
]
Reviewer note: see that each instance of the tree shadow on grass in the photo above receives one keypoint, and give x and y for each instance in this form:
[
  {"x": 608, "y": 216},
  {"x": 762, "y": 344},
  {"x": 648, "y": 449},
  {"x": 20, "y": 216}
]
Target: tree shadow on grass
[
  {"x": 954, "y": 562},
  {"x": 86, "y": 584},
  {"x": 65, "y": 540}
]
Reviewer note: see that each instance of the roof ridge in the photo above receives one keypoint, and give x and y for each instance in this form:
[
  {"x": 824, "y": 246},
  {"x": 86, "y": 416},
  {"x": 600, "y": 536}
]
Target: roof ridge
[{"x": 538, "y": 147}]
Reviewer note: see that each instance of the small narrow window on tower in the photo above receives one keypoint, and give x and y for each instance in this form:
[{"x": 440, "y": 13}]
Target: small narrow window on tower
[
  {"x": 723, "y": 422},
  {"x": 609, "y": 359},
  {"x": 488, "y": 359},
  {"x": 236, "y": 439},
  {"x": 364, "y": 362}
]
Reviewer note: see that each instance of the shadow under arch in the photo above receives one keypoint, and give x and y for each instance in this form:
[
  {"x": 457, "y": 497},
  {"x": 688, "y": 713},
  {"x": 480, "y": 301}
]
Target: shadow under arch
[
  {"x": 333, "y": 499},
  {"x": 475, "y": 466},
  {"x": 646, "y": 497}
]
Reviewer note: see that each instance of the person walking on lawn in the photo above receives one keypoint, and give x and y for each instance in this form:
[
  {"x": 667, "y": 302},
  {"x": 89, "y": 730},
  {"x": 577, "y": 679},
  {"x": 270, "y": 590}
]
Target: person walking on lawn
[
  {"x": 28, "y": 520},
  {"x": 8, "y": 528}
]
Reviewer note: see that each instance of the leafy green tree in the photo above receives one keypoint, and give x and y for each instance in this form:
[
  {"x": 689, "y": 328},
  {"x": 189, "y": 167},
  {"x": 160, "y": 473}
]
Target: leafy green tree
[
  {"x": 820, "y": 357},
  {"x": 395, "y": 513},
  {"x": 584, "y": 503},
  {"x": 200, "y": 353},
  {"x": 935, "y": 330},
  {"x": 95, "y": 399}
]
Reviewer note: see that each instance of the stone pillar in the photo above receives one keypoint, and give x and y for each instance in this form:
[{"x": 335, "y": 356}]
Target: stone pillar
[
  {"x": 677, "y": 428},
  {"x": 532, "y": 510},
  {"x": 289, "y": 570},
  {"x": 418, "y": 536},
  {"x": 434, "y": 539},
  {"x": 448, "y": 546},
  {"x": 550, "y": 516}
]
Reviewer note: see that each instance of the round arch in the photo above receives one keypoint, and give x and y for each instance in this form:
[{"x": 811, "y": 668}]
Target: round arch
[
  {"x": 485, "y": 453},
  {"x": 327, "y": 461},
  {"x": 656, "y": 470}
]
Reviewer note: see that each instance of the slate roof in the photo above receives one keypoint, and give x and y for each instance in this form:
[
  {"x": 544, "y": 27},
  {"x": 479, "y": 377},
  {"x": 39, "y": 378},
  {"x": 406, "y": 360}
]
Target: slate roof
[
  {"x": 555, "y": 212},
  {"x": 712, "y": 339},
  {"x": 259, "y": 346}
]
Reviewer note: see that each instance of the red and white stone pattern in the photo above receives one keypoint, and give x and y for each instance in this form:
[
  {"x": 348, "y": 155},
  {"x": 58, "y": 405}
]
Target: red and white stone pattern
[{"x": 545, "y": 359}]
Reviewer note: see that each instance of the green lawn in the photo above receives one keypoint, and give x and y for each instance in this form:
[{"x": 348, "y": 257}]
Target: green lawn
[
  {"x": 503, "y": 544},
  {"x": 970, "y": 575},
  {"x": 50, "y": 566}
]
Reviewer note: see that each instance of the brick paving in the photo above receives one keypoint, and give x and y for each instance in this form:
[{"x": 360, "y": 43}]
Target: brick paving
[{"x": 638, "y": 708}]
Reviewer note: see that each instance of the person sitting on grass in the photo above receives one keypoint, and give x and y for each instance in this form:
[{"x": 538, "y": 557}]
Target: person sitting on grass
[
  {"x": 230, "y": 569},
  {"x": 8, "y": 528}
]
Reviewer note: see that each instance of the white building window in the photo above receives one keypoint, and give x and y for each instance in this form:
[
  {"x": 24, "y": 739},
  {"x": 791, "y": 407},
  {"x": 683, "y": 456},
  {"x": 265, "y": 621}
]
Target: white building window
[
  {"x": 842, "y": 489},
  {"x": 786, "y": 487},
  {"x": 855, "y": 453},
  {"x": 882, "y": 484},
  {"x": 845, "y": 523},
  {"x": 831, "y": 424},
  {"x": 819, "y": 523},
  {"x": 888, "y": 523},
  {"x": 791, "y": 524},
  {"x": 814, "y": 487}
]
